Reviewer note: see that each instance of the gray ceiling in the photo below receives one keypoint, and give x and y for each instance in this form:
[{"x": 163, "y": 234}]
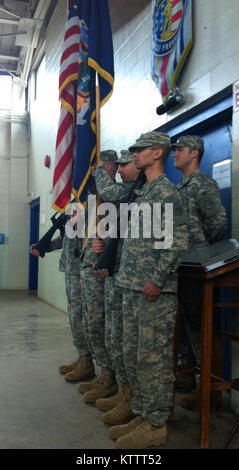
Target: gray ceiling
[{"x": 22, "y": 32}]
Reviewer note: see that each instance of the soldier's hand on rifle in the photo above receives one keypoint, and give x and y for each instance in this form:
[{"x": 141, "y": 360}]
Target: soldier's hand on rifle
[
  {"x": 151, "y": 292},
  {"x": 102, "y": 273},
  {"x": 98, "y": 245},
  {"x": 34, "y": 252}
]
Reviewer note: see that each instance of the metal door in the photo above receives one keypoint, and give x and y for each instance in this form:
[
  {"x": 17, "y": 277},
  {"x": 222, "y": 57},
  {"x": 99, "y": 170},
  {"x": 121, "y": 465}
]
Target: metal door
[{"x": 34, "y": 237}]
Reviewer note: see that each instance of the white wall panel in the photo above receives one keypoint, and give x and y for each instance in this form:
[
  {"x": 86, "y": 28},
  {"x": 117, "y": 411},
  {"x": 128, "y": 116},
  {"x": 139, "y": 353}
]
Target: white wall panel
[
  {"x": 5, "y": 138},
  {"x": 19, "y": 140},
  {"x": 13, "y": 202},
  {"x": 45, "y": 113}
]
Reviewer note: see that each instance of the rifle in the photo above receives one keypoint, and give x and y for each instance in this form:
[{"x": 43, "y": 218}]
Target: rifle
[
  {"x": 107, "y": 258},
  {"x": 58, "y": 224}
]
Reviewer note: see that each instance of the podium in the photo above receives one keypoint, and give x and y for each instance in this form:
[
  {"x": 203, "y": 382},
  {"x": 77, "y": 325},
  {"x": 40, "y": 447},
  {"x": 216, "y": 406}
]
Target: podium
[{"x": 221, "y": 269}]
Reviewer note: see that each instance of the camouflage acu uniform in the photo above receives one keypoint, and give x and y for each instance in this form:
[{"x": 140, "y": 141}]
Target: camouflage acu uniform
[
  {"x": 95, "y": 317},
  {"x": 109, "y": 190},
  {"x": 93, "y": 309},
  {"x": 206, "y": 214},
  {"x": 116, "y": 345},
  {"x": 70, "y": 265},
  {"x": 207, "y": 224},
  {"x": 114, "y": 323},
  {"x": 55, "y": 244},
  {"x": 148, "y": 327},
  {"x": 113, "y": 192}
]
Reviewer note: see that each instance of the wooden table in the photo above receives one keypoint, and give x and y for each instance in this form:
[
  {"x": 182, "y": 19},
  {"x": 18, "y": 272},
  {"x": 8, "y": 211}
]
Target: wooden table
[{"x": 223, "y": 276}]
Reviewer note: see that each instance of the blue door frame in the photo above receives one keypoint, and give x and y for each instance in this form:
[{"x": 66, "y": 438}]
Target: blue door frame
[
  {"x": 214, "y": 124},
  {"x": 34, "y": 237}
]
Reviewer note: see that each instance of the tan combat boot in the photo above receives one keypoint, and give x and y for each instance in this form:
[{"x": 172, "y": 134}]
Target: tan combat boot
[
  {"x": 118, "y": 431},
  {"x": 87, "y": 386},
  {"x": 84, "y": 369},
  {"x": 104, "y": 387},
  {"x": 106, "y": 404},
  {"x": 185, "y": 382},
  {"x": 144, "y": 436},
  {"x": 191, "y": 401},
  {"x": 122, "y": 412},
  {"x": 64, "y": 369}
]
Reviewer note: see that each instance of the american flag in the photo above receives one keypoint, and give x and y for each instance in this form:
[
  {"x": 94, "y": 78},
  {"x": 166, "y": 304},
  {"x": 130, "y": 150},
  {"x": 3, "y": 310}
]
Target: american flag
[
  {"x": 87, "y": 49},
  {"x": 169, "y": 55},
  {"x": 64, "y": 159}
]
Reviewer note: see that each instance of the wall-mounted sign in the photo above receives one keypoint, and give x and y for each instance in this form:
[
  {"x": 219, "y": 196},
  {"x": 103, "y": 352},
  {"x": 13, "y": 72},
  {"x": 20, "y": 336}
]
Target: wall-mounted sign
[
  {"x": 221, "y": 172},
  {"x": 236, "y": 96}
]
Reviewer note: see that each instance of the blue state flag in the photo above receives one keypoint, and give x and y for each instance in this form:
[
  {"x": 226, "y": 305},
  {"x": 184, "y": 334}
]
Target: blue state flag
[{"x": 95, "y": 55}]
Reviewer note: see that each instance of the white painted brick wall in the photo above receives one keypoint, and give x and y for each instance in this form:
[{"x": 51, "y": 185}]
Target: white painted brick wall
[
  {"x": 13, "y": 200},
  {"x": 44, "y": 117},
  {"x": 5, "y": 133}
]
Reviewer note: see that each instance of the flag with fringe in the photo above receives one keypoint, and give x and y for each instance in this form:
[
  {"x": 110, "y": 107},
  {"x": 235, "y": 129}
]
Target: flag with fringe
[{"x": 87, "y": 50}]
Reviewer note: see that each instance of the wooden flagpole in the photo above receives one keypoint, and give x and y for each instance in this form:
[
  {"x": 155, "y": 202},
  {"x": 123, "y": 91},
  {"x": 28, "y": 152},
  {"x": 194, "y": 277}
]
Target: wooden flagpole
[
  {"x": 97, "y": 98},
  {"x": 97, "y": 106}
]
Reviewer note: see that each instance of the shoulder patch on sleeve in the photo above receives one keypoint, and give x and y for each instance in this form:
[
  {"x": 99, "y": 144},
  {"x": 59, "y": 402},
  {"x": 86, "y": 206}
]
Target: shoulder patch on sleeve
[
  {"x": 179, "y": 213},
  {"x": 206, "y": 200}
]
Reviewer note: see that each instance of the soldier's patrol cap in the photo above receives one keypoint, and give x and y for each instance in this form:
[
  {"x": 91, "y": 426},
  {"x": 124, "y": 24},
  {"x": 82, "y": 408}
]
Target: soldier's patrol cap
[
  {"x": 126, "y": 157},
  {"x": 152, "y": 139},
  {"x": 194, "y": 142},
  {"x": 108, "y": 156}
]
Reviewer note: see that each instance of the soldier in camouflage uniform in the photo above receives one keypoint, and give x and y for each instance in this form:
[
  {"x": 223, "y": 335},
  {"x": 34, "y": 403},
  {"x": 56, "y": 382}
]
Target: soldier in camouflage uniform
[
  {"x": 94, "y": 318},
  {"x": 207, "y": 224},
  {"x": 148, "y": 276},
  {"x": 200, "y": 193},
  {"x": 118, "y": 406},
  {"x": 83, "y": 367}
]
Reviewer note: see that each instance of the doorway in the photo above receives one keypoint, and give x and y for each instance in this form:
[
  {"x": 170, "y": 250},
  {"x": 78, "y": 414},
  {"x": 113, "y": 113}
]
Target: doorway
[{"x": 34, "y": 237}]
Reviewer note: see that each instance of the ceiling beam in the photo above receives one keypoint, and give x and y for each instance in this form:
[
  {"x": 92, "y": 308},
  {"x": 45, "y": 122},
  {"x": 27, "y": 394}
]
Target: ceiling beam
[
  {"x": 39, "y": 15},
  {"x": 12, "y": 22},
  {"x": 9, "y": 12},
  {"x": 8, "y": 57}
]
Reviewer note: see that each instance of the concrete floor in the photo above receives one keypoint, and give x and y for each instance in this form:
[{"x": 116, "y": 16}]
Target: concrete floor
[{"x": 39, "y": 410}]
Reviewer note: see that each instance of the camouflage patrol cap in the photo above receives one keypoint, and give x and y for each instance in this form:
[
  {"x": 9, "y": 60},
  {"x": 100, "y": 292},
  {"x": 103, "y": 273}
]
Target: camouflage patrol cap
[
  {"x": 152, "y": 139},
  {"x": 126, "y": 157},
  {"x": 194, "y": 142},
  {"x": 108, "y": 155}
]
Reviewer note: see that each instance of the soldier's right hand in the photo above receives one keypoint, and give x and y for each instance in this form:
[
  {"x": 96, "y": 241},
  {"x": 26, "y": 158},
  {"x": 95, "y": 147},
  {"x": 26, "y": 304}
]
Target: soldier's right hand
[
  {"x": 33, "y": 251},
  {"x": 102, "y": 273},
  {"x": 151, "y": 292},
  {"x": 98, "y": 245}
]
